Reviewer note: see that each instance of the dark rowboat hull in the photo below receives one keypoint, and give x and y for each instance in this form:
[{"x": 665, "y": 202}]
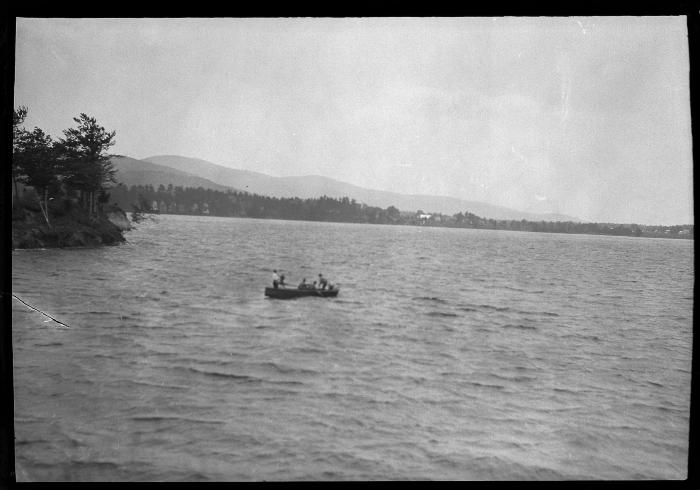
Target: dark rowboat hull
[{"x": 288, "y": 293}]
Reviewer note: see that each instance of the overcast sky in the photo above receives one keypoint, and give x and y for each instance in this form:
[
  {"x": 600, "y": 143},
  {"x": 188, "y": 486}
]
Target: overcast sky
[{"x": 584, "y": 116}]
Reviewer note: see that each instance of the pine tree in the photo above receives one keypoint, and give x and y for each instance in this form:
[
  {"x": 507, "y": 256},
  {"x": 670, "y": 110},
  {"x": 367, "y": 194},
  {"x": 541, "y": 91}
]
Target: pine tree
[
  {"x": 86, "y": 163},
  {"x": 37, "y": 164},
  {"x": 18, "y": 117}
]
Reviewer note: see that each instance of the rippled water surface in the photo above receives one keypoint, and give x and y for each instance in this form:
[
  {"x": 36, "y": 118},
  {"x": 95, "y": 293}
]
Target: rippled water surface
[{"x": 448, "y": 354}]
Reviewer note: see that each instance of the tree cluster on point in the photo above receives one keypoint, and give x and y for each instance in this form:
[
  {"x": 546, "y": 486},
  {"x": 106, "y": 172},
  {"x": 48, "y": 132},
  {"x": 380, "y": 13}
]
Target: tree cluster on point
[{"x": 76, "y": 166}]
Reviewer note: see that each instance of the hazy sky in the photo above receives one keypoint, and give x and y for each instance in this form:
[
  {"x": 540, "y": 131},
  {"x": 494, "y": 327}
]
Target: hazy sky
[{"x": 584, "y": 116}]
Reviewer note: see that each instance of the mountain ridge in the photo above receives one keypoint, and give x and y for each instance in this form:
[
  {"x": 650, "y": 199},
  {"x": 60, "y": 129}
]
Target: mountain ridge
[
  {"x": 313, "y": 186},
  {"x": 131, "y": 171}
]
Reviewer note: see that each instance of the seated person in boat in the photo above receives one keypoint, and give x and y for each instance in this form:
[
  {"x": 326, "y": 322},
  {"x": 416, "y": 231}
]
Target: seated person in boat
[
  {"x": 322, "y": 282},
  {"x": 303, "y": 285},
  {"x": 313, "y": 286},
  {"x": 282, "y": 283}
]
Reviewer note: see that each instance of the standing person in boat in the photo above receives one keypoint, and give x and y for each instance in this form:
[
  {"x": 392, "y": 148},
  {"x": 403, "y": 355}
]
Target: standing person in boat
[
  {"x": 322, "y": 282},
  {"x": 275, "y": 279}
]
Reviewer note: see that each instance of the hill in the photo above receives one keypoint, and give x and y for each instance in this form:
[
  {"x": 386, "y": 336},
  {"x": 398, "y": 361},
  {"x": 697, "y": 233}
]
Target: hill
[
  {"x": 312, "y": 186},
  {"x": 140, "y": 172}
]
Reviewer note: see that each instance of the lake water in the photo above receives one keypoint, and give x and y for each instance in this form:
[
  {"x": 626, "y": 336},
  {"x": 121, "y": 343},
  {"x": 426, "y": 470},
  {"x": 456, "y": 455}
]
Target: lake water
[{"x": 448, "y": 354}]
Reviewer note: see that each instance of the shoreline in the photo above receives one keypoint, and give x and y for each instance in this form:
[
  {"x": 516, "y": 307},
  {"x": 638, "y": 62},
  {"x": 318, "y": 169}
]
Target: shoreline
[
  {"x": 74, "y": 229},
  {"x": 430, "y": 225}
]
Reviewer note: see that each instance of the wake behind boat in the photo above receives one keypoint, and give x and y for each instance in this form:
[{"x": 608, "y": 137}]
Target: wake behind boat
[{"x": 289, "y": 293}]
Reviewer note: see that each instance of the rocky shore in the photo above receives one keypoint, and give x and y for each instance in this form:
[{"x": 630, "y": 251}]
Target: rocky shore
[{"x": 69, "y": 229}]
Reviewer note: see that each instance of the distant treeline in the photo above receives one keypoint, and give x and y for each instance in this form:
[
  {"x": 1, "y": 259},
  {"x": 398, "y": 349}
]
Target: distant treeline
[{"x": 201, "y": 201}]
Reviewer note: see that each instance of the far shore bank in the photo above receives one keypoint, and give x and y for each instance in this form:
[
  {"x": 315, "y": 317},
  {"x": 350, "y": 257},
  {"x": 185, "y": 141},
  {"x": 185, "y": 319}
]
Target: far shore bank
[
  {"x": 619, "y": 230},
  {"x": 207, "y": 202}
]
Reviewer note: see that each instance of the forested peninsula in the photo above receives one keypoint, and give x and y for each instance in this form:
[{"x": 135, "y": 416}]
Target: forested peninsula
[{"x": 60, "y": 187}]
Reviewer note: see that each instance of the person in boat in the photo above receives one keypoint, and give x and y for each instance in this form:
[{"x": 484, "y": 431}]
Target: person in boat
[
  {"x": 322, "y": 282},
  {"x": 303, "y": 285},
  {"x": 275, "y": 279},
  {"x": 282, "y": 283},
  {"x": 313, "y": 286}
]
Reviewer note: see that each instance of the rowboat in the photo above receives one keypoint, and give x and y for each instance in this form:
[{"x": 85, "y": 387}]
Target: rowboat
[{"x": 289, "y": 293}]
